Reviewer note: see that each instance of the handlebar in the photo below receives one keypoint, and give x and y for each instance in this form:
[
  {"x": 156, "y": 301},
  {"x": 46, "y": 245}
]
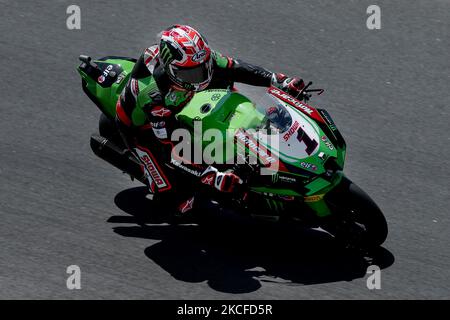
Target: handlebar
[{"x": 304, "y": 94}]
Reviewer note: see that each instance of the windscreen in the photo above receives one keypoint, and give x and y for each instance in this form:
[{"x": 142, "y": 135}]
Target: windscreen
[{"x": 277, "y": 118}]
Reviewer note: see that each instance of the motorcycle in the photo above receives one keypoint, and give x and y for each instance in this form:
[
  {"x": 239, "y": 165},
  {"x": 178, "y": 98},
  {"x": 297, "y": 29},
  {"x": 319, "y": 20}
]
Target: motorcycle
[{"x": 299, "y": 147}]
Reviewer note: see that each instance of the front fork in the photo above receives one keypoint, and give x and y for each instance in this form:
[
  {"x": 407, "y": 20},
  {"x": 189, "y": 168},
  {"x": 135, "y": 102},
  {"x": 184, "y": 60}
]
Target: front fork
[{"x": 316, "y": 201}]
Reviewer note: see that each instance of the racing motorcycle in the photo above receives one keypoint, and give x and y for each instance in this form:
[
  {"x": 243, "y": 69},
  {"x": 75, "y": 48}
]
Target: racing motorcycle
[{"x": 300, "y": 143}]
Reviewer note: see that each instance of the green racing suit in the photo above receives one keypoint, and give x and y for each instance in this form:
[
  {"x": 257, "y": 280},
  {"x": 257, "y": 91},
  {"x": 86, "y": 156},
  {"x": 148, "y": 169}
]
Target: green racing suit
[{"x": 149, "y": 102}]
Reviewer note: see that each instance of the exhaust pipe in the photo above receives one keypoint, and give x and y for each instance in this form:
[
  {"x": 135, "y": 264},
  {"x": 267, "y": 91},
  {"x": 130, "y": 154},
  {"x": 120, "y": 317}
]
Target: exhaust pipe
[{"x": 108, "y": 151}]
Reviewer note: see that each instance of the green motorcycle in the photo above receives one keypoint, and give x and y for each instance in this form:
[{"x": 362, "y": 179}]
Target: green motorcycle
[{"x": 290, "y": 155}]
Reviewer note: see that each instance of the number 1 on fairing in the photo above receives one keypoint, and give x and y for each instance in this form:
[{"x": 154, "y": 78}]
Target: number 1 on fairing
[{"x": 311, "y": 144}]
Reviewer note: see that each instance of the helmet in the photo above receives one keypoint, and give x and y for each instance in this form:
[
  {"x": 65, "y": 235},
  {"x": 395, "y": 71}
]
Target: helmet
[{"x": 186, "y": 57}]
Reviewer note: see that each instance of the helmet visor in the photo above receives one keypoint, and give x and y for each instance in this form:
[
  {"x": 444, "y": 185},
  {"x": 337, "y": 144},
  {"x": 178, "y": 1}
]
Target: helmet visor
[{"x": 193, "y": 75}]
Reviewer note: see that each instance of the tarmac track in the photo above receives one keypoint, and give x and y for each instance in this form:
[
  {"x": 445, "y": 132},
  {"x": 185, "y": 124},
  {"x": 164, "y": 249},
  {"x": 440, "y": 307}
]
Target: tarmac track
[{"x": 387, "y": 90}]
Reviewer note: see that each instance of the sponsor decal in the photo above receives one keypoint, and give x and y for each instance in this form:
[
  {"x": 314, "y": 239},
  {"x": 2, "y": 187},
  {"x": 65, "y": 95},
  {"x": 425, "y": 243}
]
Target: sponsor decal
[
  {"x": 288, "y": 179},
  {"x": 248, "y": 142},
  {"x": 134, "y": 86},
  {"x": 309, "y": 166},
  {"x": 172, "y": 97},
  {"x": 160, "y": 133},
  {"x": 276, "y": 196},
  {"x": 292, "y": 100},
  {"x": 287, "y": 198},
  {"x": 121, "y": 77},
  {"x": 274, "y": 178},
  {"x": 187, "y": 169},
  {"x": 105, "y": 74},
  {"x": 215, "y": 97},
  {"x": 153, "y": 170},
  {"x": 327, "y": 143},
  {"x": 199, "y": 56},
  {"x": 291, "y": 131},
  {"x": 161, "y": 112},
  {"x": 313, "y": 198},
  {"x": 296, "y": 103},
  {"x": 158, "y": 125},
  {"x": 165, "y": 54}
]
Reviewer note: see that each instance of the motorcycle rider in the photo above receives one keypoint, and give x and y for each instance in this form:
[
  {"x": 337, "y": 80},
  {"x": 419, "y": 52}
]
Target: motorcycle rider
[{"x": 163, "y": 80}]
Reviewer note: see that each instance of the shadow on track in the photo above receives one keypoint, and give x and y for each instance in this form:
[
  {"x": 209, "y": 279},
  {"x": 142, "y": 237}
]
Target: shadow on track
[{"x": 237, "y": 256}]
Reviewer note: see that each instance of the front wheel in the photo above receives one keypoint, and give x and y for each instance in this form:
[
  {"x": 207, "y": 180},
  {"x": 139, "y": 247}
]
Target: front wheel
[{"x": 357, "y": 220}]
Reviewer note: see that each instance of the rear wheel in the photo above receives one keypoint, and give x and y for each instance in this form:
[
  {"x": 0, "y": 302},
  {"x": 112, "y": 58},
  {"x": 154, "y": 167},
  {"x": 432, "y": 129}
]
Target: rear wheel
[{"x": 357, "y": 220}]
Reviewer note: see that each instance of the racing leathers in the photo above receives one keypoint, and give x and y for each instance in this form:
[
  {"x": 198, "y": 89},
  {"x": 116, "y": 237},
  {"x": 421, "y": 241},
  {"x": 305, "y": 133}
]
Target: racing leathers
[{"x": 149, "y": 102}]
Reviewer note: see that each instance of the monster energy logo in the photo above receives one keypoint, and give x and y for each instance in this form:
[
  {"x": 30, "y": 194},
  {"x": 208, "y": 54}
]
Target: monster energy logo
[
  {"x": 165, "y": 53},
  {"x": 275, "y": 178}
]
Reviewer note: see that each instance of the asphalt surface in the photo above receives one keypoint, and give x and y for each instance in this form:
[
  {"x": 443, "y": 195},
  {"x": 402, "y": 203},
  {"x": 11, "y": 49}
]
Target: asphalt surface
[{"x": 388, "y": 91}]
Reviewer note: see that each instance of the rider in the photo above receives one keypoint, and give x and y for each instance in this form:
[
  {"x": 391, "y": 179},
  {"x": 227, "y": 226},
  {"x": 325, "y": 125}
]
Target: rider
[{"x": 163, "y": 80}]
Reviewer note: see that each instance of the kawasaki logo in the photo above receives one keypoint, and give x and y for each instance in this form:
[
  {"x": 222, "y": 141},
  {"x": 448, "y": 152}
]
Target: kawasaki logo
[{"x": 191, "y": 171}]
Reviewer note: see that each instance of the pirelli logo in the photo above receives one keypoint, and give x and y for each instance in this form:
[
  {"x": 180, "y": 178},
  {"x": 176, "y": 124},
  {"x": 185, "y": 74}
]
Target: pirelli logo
[{"x": 313, "y": 198}]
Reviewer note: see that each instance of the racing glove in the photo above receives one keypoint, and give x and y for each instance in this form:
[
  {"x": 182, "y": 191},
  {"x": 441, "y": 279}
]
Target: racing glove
[
  {"x": 223, "y": 181},
  {"x": 292, "y": 86}
]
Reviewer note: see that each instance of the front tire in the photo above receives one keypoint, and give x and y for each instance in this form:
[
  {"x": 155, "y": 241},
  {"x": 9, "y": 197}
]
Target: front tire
[{"x": 359, "y": 222}]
